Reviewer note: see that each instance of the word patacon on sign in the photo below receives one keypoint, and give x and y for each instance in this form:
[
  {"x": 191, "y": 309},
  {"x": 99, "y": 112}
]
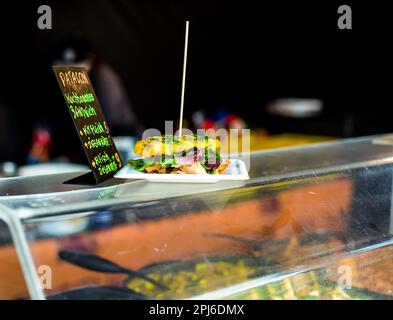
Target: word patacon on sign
[{"x": 89, "y": 121}]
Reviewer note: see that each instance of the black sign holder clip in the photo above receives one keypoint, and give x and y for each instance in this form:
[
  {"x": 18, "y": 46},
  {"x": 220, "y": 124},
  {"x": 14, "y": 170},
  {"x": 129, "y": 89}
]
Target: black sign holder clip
[{"x": 86, "y": 179}]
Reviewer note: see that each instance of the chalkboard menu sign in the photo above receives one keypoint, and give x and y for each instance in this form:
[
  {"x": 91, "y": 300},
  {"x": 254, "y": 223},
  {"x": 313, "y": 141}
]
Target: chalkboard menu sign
[{"x": 89, "y": 121}]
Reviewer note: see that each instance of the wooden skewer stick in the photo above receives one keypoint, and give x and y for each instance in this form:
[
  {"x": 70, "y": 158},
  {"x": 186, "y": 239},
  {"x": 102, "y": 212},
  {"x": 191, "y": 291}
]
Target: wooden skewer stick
[{"x": 184, "y": 80}]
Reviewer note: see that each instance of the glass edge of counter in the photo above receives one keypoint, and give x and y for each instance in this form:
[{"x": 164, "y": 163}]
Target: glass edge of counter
[{"x": 95, "y": 203}]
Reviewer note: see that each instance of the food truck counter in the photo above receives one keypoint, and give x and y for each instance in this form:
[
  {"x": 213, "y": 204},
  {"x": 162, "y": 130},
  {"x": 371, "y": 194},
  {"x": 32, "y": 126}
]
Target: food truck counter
[{"x": 312, "y": 222}]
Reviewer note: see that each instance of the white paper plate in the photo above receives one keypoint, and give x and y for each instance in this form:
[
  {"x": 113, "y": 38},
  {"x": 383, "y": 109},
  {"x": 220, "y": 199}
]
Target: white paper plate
[{"x": 236, "y": 171}]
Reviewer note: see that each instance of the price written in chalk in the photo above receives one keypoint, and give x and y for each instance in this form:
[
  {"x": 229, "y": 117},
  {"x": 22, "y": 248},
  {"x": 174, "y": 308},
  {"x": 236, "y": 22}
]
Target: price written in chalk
[{"x": 89, "y": 121}]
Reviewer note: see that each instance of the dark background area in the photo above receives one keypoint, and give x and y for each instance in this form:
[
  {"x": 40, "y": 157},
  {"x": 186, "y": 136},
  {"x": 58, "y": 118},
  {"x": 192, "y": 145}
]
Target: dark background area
[{"x": 242, "y": 55}]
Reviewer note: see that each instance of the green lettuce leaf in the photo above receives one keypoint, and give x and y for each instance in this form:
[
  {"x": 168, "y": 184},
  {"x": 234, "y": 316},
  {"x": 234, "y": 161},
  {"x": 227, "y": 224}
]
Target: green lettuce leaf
[{"x": 140, "y": 164}]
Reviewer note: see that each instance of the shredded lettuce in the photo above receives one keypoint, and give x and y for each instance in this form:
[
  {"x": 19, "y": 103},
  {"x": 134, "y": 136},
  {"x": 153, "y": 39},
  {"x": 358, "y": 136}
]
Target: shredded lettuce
[{"x": 167, "y": 162}]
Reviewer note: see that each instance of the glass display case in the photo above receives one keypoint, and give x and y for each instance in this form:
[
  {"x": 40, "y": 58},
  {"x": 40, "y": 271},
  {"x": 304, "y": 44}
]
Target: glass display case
[{"x": 313, "y": 222}]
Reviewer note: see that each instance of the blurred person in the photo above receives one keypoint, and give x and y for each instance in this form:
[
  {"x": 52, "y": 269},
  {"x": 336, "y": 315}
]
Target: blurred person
[
  {"x": 53, "y": 115},
  {"x": 115, "y": 104}
]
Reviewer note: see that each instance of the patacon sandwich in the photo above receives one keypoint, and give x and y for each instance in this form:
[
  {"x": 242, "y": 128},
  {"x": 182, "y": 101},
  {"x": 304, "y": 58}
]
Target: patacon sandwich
[{"x": 191, "y": 154}]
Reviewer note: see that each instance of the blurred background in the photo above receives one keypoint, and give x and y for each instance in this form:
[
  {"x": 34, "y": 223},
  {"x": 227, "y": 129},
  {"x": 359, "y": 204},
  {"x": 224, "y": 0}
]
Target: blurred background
[{"x": 282, "y": 69}]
